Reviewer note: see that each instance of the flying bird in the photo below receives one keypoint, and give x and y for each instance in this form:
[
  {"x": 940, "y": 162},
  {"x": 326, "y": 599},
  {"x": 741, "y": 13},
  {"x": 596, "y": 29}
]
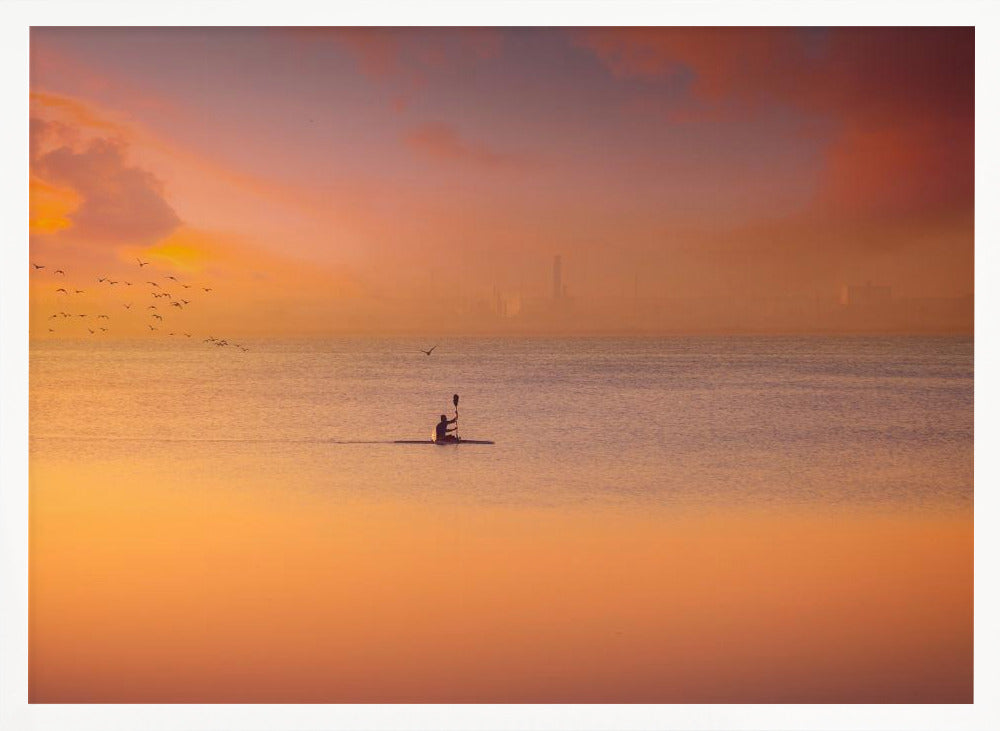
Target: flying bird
[
  {"x": 207, "y": 289},
  {"x": 79, "y": 291},
  {"x": 58, "y": 271},
  {"x": 153, "y": 283},
  {"x": 112, "y": 281},
  {"x": 171, "y": 276},
  {"x": 151, "y": 307},
  {"x": 141, "y": 262},
  {"x": 103, "y": 317},
  {"x": 187, "y": 335},
  {"x": 151, "y": 327},
  {"x": 37, "y": 266},
  {"x": 104, "y": 329},
  {"x": 158, "y": 317},
  {"x": 102, "y": 279},
  {"x": 53, "y": 316},
  {"x": 91, "y": 331},
  {"x": 428, "y": 352},
  {"x": 187, "y": 302},
  {"x": 186, "y": 286},
  {"x": 127, "y": 307},
  {"x": 80, "y": 315},
  {"x": 62, "y": 290},
  {"x": 177, "y": 304},
  {"x": 128, "y": 284},
  {"x": 51, "y": 330}
]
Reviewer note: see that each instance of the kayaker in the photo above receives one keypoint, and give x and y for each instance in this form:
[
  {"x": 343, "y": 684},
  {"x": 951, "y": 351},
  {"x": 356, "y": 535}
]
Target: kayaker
[{"x": 442, "y": 430}]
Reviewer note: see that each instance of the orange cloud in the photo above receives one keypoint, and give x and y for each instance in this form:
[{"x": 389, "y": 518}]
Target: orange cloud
[
  {"x": 75, "y": 112},
  {"x": 900, "y": 101},
  {"x": 50, "y": 207},
  {"x": 385, "y": 52},
  {"x": 118, "y": 202},
  {"x": 443, "y": 142}
]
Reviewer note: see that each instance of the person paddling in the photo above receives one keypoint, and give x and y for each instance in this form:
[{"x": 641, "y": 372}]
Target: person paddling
[{"x": 442, "y": 433}]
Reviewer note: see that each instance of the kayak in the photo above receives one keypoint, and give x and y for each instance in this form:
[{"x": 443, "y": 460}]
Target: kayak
[{"x": 442, "y": 444}]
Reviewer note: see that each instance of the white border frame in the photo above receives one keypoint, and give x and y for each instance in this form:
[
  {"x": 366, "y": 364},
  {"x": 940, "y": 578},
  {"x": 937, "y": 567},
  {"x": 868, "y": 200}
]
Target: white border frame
[{"x": 16, "y": 16}]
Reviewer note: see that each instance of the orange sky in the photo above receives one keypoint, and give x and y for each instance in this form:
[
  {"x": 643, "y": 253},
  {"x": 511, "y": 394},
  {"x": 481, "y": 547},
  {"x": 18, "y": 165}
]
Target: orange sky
[{"x": 383, "y": 180}]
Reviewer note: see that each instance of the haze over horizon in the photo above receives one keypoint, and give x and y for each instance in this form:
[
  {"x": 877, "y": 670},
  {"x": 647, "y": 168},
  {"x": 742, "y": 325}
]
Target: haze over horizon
[{"x": 326, "y": 180}]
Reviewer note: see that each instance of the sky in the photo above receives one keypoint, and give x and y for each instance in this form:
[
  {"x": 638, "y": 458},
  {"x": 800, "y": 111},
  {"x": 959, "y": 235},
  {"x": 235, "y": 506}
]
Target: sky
[{"x": 369, "y": 180}]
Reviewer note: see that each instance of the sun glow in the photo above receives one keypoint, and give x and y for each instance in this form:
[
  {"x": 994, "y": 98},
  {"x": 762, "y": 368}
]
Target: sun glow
[{"x": 50, "y": 207}]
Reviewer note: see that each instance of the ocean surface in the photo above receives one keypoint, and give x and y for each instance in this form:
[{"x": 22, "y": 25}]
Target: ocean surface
[
  {"x": 745, "y": 519},
  {"x": 694, "y": 421}
]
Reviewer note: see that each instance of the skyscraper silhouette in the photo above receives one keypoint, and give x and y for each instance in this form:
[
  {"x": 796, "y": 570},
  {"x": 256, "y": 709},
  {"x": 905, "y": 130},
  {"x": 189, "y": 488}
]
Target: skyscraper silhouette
[{"x": 557, "y": 288}]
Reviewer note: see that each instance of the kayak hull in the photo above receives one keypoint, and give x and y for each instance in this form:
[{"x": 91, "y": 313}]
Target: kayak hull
[{"x": 442, "y": 443}]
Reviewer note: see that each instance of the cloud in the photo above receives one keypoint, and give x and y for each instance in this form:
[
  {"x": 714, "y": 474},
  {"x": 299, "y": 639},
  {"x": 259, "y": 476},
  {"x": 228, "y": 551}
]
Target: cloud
[
  {"x": 377, "y": 50},
  {"x": 50, "y": 207},
  {"x": 441, "y": 141},
  {"x": 896, "y": 105},
  {"x": 78, "y": 114},
  {"x": 117, "y": 203},
  {"x": 386, "y": 52},
  {"x": 402, "y": 61}
]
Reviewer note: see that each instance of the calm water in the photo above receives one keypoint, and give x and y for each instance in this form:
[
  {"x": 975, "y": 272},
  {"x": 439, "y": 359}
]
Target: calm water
[
  {"x": 665, "y": 521},
  {"x": 722, "y": 421}
]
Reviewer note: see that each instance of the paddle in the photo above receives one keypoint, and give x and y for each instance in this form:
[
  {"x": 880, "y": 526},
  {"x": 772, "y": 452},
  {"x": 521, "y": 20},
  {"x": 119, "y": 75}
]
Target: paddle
[{"x": 454, "y": 400}]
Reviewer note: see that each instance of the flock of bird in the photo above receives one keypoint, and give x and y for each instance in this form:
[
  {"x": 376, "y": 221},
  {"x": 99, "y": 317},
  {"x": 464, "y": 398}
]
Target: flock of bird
[
  {"x": 175, "y": 304},
  {"x": 156, "y": 321}
]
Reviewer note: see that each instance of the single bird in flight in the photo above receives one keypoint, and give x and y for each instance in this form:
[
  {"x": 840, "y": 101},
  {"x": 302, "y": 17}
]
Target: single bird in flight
[
  {"x": 37, "y": 266},
  {"x": 127, "y": 307},
  {"x": 428, "y": 352},
  {"x": 79, "y": 291},
  {"x": 141, "y": 262},
  {"x": 207, "y": 289},
  {"x": 171, "y": 276},
  {"x": 151, "y": 327},
  {"x": 153, "y": 283},
  {"x": 158, "y": 317},
  {"x": 58, "y": 271},
  {"x": 62, "y": 290}
]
